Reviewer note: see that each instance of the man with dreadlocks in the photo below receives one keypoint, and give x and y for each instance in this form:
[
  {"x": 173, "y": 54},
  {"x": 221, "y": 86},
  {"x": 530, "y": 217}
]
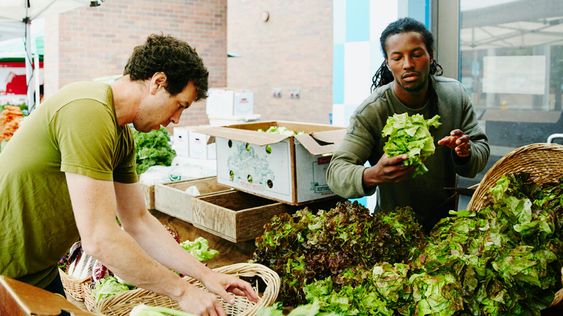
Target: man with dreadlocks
[{"x": 409, "y": 81}]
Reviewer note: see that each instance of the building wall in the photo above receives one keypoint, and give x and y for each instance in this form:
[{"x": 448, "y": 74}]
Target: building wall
[
  {"x": 89, "y": 43},
  {"x": 290, "y": 52},
  {"x": 358, "y": 24}
]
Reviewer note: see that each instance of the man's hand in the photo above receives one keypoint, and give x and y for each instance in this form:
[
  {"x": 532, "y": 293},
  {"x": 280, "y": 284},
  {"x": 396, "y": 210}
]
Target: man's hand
[
  {"x": 199, "y": 302},
  {"x": 457, "y": 141},
  {"x": 223, "y": 284},
  {"x": 387, "y": 170}
]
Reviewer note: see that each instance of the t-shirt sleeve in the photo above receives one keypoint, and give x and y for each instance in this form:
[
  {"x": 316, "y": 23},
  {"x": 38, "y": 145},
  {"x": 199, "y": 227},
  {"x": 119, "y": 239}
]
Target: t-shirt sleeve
[
  {"x": 86, "y": 136},
  {"x": 125, "y": 171}
]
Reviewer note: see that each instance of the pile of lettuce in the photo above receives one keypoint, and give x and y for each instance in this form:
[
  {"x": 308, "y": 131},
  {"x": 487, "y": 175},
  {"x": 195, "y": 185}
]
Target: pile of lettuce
[
  {"x": 504, "y": 259},
  {"x": 305, "y": 247},
  {"x": 410, "y": 135},
  {"x": 152, "y": 149}
]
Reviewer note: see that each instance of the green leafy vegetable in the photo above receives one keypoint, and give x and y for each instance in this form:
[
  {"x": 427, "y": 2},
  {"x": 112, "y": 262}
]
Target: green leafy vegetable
[
  {"x": 280, "y": 130},
  {"x": 305, "y": 247},
  {"x": 410, "y": 135},
  {"x": 152, "y": 149},
  {"x": 107, "y": 287},
  {"x": 199, "y": 248},
  {"x": 146, "y": 310}
]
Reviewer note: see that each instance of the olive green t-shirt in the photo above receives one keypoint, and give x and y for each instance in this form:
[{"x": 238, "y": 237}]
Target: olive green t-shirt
[{"x": 74, "y": 131}]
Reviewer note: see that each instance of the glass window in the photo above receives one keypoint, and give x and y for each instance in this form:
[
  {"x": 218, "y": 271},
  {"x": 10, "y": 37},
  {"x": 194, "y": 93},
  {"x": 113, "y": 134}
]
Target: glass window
[{"x": 511, "y": 63}]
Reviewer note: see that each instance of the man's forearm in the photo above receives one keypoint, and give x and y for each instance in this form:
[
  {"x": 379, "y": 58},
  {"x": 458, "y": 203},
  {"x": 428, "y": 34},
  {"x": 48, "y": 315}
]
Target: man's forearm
[
  {"x": 123, "y": 256},
  {"x": 155, "y": 240}
]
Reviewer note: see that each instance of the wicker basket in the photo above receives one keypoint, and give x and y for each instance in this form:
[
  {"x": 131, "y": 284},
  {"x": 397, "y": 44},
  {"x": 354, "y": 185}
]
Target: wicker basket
[
  {"x": 544, "y": 162},
  {"x": 89, "y": 300},
  {"x": 74, "y": 287},
  {"x": 122, "y": 304}
]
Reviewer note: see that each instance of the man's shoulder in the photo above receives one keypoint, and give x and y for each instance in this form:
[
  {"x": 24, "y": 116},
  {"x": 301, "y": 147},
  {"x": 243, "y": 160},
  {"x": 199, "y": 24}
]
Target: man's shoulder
[
  {"x": 447, "y": 85},
  {"x": 377, "y": 98},
  {"x": 84, "y": 91},
  {"x": 446, "y": 82}
]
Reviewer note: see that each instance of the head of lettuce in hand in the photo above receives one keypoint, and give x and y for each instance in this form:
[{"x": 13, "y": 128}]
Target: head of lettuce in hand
[{"x": 410, "y": 135}]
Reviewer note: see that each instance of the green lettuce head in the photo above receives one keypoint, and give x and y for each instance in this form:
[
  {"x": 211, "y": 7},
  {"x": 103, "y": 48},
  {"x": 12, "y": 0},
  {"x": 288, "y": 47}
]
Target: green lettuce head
[{"x": 410, "y": 135}]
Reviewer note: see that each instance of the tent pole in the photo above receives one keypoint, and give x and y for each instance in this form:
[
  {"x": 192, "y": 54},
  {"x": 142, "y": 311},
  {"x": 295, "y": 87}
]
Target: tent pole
[
  {"x": 36, "y": 75},
  {"x": 28, "y": 66}
]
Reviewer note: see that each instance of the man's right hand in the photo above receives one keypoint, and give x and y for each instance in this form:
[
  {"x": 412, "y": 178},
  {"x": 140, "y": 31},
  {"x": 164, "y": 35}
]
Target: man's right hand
[
  {"x": 199, "y": 302},
  {"x": 387, "y": 170}
]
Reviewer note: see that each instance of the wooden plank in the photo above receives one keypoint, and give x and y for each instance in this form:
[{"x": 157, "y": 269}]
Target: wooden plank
[
  {"x": 171, "y": 198},
  {"x": 149, "y": 195},
  {"x": 19, "y": 298}
]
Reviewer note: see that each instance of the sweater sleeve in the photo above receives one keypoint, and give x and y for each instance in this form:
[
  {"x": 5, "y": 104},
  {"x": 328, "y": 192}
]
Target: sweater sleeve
[
  {"x": 345, "y": 171},
  {"x": 478, "y": 142}
]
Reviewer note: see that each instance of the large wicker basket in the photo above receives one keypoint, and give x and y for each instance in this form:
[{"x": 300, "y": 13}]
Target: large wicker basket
[
  {"x": 544, "y": 162},
  {"x": 74, "y": 287},
  {"x": 121, "y": 305}
]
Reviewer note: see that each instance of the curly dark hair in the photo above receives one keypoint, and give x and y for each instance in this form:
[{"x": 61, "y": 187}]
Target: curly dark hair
[
  {"x": 383, "y": 75},
  {"x": 175, "y": 58}
]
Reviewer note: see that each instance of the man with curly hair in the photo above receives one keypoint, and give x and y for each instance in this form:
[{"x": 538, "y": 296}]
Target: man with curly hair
[{"x": 70, "y": 170}]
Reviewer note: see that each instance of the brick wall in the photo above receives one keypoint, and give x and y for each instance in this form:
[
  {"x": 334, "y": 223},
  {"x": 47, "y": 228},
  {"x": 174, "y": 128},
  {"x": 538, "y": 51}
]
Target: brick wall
[
  {"x": 88, "y": 43},
  {"x": 292, "y": 50}
]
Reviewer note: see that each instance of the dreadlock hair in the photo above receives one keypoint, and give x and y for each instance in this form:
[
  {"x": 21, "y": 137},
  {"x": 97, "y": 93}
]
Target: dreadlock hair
[{"x": 383, "y": 75}]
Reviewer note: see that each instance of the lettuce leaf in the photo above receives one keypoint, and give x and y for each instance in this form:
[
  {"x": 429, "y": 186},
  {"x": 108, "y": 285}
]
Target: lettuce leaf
[{"x": 410, "y": 135}]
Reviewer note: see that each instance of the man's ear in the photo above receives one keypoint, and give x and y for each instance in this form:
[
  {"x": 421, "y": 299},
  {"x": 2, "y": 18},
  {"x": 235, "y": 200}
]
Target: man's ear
[{"x": 158, "y": 80}]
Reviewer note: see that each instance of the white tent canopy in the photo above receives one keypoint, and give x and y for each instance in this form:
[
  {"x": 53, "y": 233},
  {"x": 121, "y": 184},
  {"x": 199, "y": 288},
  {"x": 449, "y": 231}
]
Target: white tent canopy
[{"x": 16, "y": 17}]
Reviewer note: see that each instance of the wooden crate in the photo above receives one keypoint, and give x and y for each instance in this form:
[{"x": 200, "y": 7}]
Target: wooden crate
[
  {"x": 149, "y": 195},
  {"x": 171, "y": 198},
  {"x": 235, "y": 216}
]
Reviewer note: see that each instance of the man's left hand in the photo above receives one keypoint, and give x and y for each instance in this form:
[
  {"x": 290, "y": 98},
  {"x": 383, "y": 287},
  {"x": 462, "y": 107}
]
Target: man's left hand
[{"x": 457, "y": 141}]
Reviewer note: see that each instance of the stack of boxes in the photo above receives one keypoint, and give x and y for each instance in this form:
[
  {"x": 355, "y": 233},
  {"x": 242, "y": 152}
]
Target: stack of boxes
[{"x": 228, "y": 106}]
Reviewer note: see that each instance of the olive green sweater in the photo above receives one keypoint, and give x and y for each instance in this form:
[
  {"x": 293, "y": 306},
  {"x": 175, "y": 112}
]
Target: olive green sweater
[{"x": 425, "y": 194}]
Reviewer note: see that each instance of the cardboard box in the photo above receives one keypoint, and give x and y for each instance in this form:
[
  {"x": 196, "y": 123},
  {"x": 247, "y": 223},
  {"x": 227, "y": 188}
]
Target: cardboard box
[
  {"x": 228, "y": 102},
  {"x": 180, "y": 141},
  {"x": 172, "y": 199},
  {"x": 290, "y": 169},
  {"x": 200, "y": 148}
]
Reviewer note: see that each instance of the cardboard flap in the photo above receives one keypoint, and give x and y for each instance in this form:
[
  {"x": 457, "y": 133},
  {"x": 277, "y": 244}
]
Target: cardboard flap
[
  {"x": 319, "y": 143},
  {"x": 243, "y": 135},
  {"x": 31, "y": 300}
]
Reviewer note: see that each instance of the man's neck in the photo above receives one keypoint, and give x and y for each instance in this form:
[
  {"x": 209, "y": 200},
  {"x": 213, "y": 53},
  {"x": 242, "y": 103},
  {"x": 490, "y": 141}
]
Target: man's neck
[
  {"x": 127, "y": 96},
  {"x": 414, "y": 100}
]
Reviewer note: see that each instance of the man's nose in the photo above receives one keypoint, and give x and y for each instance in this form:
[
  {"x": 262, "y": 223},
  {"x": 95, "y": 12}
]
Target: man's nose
[
  {"x": 176, "y": 117},
  {"x": 408, "y": 63}
]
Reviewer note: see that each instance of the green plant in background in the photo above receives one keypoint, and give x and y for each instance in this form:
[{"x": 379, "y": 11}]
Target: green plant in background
[{"x": 153, "y": 149}]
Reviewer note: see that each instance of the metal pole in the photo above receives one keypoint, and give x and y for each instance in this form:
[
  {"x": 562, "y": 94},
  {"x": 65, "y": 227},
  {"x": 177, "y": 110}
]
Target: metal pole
[{"x": 28, "y": 66}]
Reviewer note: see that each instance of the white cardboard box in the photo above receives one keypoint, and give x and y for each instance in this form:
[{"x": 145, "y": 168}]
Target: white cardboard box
[
  {"x": 199, "y": 146},
  {"x": 181, "y": 141},
  {"x": 228, "y": 102},
  {"x": 290, "y": 169}
]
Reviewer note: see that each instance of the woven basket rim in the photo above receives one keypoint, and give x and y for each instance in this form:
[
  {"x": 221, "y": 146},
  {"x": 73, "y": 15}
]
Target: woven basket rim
[
  {"x": 270, "y": 294},
  {"x": 514, "y": 157}
]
